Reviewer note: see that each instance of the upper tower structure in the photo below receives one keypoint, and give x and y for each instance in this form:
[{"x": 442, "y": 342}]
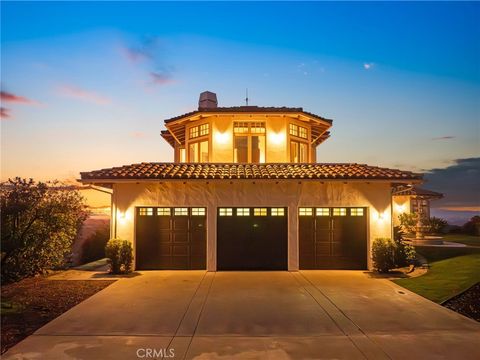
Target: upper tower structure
[{"x": 245, "y": 134}]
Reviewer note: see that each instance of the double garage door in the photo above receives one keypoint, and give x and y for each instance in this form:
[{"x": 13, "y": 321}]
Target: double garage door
[{"x": 251, "y": 238}]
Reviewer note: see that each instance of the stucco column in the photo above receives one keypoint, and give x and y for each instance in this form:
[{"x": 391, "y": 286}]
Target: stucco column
[
  {"x": 211, "y": 238},
  {"x": 292, "y": 238}
]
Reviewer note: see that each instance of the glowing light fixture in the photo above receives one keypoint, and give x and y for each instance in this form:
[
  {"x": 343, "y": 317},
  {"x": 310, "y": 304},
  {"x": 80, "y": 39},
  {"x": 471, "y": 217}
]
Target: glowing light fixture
[
  {"x": 221, "y": 138},
  {"x": 400, "y": 208},
  {"x": 277, "y": 138}
]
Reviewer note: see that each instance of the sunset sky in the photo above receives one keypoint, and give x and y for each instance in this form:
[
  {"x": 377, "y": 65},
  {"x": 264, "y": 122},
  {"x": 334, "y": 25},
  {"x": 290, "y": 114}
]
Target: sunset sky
[{"x": 87, "y": 85}]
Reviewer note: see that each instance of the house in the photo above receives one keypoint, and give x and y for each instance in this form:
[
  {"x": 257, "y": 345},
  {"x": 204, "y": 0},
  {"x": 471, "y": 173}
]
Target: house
[{"x": 245, "y": 192}]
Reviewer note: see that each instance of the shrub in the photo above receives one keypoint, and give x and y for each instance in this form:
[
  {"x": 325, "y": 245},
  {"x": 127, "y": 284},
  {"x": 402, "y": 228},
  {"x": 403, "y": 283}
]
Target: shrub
[
  {"x": 435, "y": 225},
  {"x": 39, "y": 222},
  {"x": 383, "y": 254},
  {"x": 93, "y": 248},
  {"x": 404, "y": 253},
  {"x": 408, "y": 222},
  {"x": 472, "y": 227},
  {"x": 120, "y": 256}
]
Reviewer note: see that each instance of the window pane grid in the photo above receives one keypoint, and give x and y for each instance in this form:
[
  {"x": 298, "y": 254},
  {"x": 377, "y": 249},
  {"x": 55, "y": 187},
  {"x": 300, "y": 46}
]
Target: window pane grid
[
  {"x": 322, "y": 211},
  {"x": 146, "y": 212},
  {"x": 163, "y": 212},
  {"x": 198, "y": 211},
  {"x": 298, "y": 131},
  {"x": 356, "y": 212},
  {"x": 225, "y": 212},
  {"x": 181, "y": 211},
  {"x": 243, "y": 127},
  {"x": 305, "y": 211},
  {"x": 204, "y": 129},
  {"x": 260, "y": 211},
  {"x": 243, "y": 212},
  {"x": 339, "y": 211},
  {"x": 278, "y": 212}
]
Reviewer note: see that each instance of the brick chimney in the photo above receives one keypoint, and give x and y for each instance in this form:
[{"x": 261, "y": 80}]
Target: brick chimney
[{"x": 208, "y": 100}]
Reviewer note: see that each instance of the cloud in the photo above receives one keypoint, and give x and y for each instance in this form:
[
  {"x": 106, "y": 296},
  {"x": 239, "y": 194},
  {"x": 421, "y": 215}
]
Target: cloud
[
  {"x": 13, "y": 98},
  {"x": 143, "y": 51},
  {"x": 459, "y": 182},
  {"x": 368, "y": 66},
  {"x": 444, "y": 137},
  {"x": 158, "y": 78},
  {"x": 75, "y": 92},
  {"x": 5, "y": 113}
]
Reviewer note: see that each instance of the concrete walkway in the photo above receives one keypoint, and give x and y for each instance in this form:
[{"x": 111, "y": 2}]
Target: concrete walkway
[{"x": 254, "y": 315}]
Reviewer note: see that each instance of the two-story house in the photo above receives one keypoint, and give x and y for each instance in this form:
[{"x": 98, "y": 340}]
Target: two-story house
[{"x": 245, "y": 193}]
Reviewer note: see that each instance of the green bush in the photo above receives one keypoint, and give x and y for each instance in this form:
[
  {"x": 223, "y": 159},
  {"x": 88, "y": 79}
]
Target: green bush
[
  {"x": 404, "y": 253},
  {"x": 93, "y": 248},
  {"x": 120, "y": 256},
  {"x": 39, "y": 222},
  {"x": 408, "y": 222},
  {"x": 383, "y": 254}
]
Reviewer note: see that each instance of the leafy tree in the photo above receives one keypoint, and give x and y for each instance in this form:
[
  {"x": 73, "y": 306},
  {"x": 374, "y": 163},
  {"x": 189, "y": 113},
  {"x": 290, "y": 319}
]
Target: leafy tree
[
  {"x": 472, "y": 227},
  {"x": 39, "y": 222}
]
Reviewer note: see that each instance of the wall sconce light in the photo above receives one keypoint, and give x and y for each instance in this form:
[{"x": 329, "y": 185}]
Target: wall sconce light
[
  {"x": 277, "y": 138},
  {"x": 400, "y": 208},
  {"x": 121, "y": 216},
  {"x": 221, "y": 138}
]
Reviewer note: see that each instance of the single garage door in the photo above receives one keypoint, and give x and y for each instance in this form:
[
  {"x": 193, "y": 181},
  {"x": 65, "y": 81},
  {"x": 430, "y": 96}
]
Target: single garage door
[
  {"x": 252, "y": 238},
  {"x": 333, "y": 238},
  {"x": 170, "y": 238}
]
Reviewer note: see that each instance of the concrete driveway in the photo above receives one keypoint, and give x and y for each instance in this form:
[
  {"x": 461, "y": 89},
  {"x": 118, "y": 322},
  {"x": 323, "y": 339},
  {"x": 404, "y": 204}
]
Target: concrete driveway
[{"x": 254, "y": 315}]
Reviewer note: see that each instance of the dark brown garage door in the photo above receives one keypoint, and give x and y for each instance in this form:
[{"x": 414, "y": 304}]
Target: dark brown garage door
[
  {"x": 170, "y": 238},
  {"x": 333, "y": 238},
  {"x": 252, "y": 238}
]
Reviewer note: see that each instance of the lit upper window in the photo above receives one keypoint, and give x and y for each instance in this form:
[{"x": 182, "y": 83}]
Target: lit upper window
[
  {"x": 200, "y": 130},
  {"x": 245, "y": 127},
  {"x": 298, "y": 131}
]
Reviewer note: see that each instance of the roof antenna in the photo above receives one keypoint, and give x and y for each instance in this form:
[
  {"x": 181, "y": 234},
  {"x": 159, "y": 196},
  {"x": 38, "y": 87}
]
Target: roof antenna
[{"x": 246, "y": 96}]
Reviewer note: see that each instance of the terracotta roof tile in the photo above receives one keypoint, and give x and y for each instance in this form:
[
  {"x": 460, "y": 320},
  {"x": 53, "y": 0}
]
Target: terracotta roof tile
[
  {"x": 248, "y": 109},
  {"x": 417, "y": 191},
  {"x": 159, "y": 171}
]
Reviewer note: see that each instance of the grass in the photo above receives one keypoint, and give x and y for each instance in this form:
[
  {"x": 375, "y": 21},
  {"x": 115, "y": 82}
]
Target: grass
[
  {"x": 447, "y": 277},
  {"x": 464, "y": 239}
]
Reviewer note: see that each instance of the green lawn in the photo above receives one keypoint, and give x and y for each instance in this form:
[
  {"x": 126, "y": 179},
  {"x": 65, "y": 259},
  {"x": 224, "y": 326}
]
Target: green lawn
[
  {"x": 464, "y": 239},
  {"x": 446, "y": 277}
]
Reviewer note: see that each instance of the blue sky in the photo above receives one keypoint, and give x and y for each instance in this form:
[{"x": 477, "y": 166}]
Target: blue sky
[{"x": 86, "y": 85}]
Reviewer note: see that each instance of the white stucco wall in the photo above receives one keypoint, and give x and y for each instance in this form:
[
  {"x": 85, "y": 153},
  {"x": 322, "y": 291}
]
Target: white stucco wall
[{"x": 376, "y": 196}]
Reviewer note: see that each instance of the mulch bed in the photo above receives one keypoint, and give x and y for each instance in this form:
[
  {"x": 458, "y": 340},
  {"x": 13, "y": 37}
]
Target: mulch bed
[
  {"x": 31, "y": 303},
  {"x": 466, "y": 303}
]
